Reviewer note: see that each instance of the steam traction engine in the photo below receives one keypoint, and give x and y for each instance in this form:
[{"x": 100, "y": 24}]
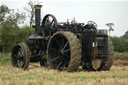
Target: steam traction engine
[{"x": 65, "y": 46}]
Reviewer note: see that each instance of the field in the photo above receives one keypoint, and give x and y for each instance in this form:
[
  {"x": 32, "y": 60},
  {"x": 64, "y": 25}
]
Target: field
[{"x": 35, "y": 75}]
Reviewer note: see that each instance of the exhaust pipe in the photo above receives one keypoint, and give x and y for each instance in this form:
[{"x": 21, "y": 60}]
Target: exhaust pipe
[{"x": 37, "y": 17}]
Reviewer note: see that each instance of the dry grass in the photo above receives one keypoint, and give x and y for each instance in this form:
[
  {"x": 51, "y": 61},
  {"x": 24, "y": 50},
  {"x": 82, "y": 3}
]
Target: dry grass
[{"x": 35, "y": 75}]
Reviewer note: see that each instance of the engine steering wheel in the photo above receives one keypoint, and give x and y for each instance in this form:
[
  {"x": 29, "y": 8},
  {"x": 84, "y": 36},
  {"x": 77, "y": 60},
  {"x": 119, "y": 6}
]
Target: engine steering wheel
[{"x": 92, "y": 23}]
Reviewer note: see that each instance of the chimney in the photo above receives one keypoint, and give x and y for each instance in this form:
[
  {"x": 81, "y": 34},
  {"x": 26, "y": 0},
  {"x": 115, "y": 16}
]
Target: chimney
[{"x": 37, "y": 17}]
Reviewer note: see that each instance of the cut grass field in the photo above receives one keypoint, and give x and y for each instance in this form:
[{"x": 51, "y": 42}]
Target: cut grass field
[
  {"x": 5, "y": 59},
  {"x": 36, "y": 75}
]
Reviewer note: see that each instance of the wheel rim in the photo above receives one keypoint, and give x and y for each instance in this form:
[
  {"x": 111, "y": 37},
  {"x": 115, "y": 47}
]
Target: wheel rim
[
  {"x": 18, "y": 57},
  {"x": 59, "y": 52}
]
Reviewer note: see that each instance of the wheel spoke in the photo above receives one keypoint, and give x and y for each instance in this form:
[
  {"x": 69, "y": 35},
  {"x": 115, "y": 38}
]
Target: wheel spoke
[
  {"x": 51, "y": 23},
  {"x": 51, "y": 28},
  {"x": 56, "y": 58},
  {"x": 20, "y": 52},
  {"x": 53, "y": 49},
  {"x": 67, "y": 50},
  {"x": 57, "y": 42},
  {"x": 20, "y": 58},
  {"x": 66, "y": 59},
  {"x": 59, "y": 65},
  {"x": 64, "y": 67},
  {"x": 66, "y": 55},
  {"x": 19, "y": 63},
  {"x": 65, "y": 45},
  {"x": 15, "y": 56},
  {"x": 65, "y": 62}
]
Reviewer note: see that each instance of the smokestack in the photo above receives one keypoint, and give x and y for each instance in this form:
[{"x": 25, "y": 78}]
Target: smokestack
[{"x": 37, "y": 17}]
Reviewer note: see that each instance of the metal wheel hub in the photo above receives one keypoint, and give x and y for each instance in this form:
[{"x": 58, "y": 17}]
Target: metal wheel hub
[{"x": 61, "y": 52}]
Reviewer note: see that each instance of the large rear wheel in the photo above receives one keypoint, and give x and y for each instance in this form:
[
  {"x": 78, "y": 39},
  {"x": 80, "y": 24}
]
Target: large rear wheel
[{"x": 64, "y": 51}]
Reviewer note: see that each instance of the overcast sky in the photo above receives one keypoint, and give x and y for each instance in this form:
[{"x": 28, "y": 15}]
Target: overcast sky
[{"x": 100, "y": 11}]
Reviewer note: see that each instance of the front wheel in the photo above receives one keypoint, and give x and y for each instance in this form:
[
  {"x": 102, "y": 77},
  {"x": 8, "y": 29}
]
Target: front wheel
[{"x": 20, "y": 56}]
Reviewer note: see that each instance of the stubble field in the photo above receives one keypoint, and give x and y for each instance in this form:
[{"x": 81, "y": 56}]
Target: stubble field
[{"x": 36, "y": 75}]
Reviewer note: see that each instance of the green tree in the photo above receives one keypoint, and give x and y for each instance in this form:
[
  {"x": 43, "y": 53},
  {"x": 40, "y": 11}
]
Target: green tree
[
  {"x": 25, "y": 32},
  {"x": 4, "y": 10},
  {"x": 8, "y": 37},
  {"x": 120, "y": 44},
  {"x": 9, "y": 29},
  {"x": 125, "y": 36}
]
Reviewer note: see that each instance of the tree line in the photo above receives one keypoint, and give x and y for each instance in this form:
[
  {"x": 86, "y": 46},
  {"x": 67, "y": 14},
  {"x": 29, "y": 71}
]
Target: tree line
[
  {"x": 120, "y": 44},
  {"x": 10, "y": 31}
]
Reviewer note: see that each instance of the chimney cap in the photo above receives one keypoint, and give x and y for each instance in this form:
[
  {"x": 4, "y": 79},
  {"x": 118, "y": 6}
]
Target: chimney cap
[{"x": 38, "y": 6}]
